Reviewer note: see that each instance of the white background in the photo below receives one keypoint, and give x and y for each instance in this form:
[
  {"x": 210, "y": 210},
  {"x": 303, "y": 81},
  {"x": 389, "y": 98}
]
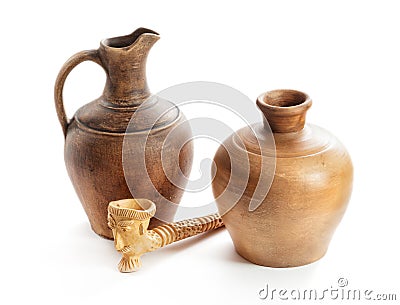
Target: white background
[{"x": 344, "y": 54}]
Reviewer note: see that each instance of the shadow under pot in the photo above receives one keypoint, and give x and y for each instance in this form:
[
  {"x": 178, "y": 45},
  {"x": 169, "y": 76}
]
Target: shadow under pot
[{"x": 291, "y": 222}]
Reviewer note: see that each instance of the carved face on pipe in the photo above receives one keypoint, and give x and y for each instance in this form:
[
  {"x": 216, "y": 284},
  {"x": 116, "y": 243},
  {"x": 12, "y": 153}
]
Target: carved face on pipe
[{"x": 129, "y": 219}]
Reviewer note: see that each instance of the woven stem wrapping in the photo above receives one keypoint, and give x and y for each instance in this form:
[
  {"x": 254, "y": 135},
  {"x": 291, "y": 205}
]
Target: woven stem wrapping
[{"x": 176, "y": 231}]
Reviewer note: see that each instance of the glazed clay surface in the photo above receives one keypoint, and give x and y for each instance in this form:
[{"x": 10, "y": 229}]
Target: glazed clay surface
[
  {"x": 310, "y": 188},
  {"x": 94, "y": 137}
]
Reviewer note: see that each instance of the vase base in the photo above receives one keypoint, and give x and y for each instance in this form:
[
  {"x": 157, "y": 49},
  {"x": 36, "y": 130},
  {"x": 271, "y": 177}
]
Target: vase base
[{"x": 281, "y": 263}]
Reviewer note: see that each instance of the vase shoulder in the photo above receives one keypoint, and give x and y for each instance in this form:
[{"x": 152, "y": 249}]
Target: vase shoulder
[
  {"x": 101, "y": 116},
  {"x": 311, "y": 140}
]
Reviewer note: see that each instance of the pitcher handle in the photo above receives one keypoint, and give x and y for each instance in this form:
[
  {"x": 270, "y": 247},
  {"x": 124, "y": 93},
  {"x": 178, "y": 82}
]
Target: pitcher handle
[{"x": 71, "y": 63}]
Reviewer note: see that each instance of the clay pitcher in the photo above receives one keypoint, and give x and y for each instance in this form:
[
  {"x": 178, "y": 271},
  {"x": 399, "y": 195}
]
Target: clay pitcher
[
  {"x": 95, "y": 135},
  {"x": 312, "y": 180}
]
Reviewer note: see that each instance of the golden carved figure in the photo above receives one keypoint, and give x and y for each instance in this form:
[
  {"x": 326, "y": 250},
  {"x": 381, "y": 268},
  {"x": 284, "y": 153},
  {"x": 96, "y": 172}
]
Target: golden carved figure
[{"x": 129, "y": 220}]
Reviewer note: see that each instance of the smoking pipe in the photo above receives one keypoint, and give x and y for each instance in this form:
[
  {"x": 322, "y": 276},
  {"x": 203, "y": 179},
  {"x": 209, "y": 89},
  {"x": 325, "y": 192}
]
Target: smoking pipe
[{"x": 129, "y": 219}]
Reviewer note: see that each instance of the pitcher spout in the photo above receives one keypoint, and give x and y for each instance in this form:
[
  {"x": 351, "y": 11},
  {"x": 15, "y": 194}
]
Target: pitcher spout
[
  {"x": 124, "y": 59},
  {"x": 138, "y": 38}
]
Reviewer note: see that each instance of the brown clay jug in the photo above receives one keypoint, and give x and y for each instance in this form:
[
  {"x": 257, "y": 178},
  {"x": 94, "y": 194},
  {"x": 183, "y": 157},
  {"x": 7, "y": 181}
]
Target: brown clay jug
[
  {"x": 310, "y": 189},
  {"x": 95, "y": 136}
]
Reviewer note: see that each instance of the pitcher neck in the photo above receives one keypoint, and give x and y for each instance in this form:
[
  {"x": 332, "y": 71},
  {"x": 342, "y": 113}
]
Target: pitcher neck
[{"x": 124, "y": 59}]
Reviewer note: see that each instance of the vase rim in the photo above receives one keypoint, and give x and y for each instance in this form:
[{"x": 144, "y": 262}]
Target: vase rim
[{"x": 284, "y": 101}]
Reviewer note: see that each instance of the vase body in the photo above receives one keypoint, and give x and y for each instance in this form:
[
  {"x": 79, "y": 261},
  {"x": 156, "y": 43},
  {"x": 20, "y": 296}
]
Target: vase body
[
  {"x": 95, "y": 136},
  {"x": 310, "y": 190}
]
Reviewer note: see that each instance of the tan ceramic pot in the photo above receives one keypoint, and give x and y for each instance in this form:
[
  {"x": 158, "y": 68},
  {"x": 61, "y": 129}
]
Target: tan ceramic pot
[
  {"x": 310, "y": 188},
  {"x": 101, "y": 168}
]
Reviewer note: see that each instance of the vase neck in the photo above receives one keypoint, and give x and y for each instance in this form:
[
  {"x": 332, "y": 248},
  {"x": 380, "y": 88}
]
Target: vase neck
[
  {"x": 124, "y": 59},
  {"x": 284, "y": 110}
]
